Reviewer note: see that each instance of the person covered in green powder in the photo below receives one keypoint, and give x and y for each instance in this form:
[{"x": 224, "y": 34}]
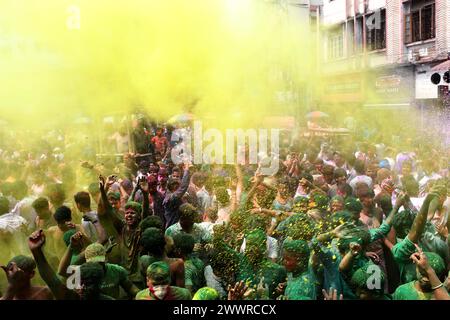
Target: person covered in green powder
[
  {"x": 186, "y": 224},
  {"x": 430, "y": 269},
  {"x": 194, "y": 267},
  {"x": 91, "y": 275},
  {"x": 368, "y": 283},
  {"x": 127, "y": 228},
  {"x": 337, "y": 204},
  {"x": 154, "y": 245},
  {"x": 158, "y": 283},
  {"x": 300, "y": 283},
  {"x": 255, "y": 268},
  {"x": 115, "y": 276},
  {"x": 403, "y": 250},
  {"x": 206, "y": 293}
]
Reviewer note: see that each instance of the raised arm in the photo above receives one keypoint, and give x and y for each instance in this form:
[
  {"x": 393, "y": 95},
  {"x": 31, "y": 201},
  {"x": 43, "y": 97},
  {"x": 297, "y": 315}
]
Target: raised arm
[
  {"x": 419, "y": 222},
  {"x": 349, "y": 258},
  {"x": 135, "y": 190},
  {"x": 57, "y": 287},
  {"x": 107, "y": 212},
  {"x": 258, "y": 180},
  {"x": 239, "y": 186},
  {"x": 146, "y": 204},
  {"x": 65, "y": 262},
  {"x": 420, "y": 259},
  {"x": 385, "y": 228},
  {"x": 184, "y": 182}
]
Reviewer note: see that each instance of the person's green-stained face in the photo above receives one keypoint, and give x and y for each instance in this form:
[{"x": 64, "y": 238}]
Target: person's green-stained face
[
  {"x": 293, "y": 262},
  {"x": 131, "y": 217},
  {"x": 255, "y": 251}
]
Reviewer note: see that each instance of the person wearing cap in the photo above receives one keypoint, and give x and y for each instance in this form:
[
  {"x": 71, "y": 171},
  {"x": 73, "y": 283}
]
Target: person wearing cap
[
  {"x": 19, "y": 272},
  {"x": 114, "y": 276},
  {"x": 159, "y": 288}
]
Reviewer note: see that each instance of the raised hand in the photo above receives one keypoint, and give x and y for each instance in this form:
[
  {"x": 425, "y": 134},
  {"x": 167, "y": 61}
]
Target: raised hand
[
  {"x": 76, "y": 240},
  {"x": 355, "y": 248},
  {"x": 36, "y": 240},
  {"x": 14, "y": 274},
  {"x": 341, "y": 231},
  {"x": 420, "y": 259},
  {"x": 262, "y": 289},
  {"x": 143, "y": 184},
  {"x": 442, "y": 229},
  {"x": 374, "y": 257},
  {"x": 101, "y": 182},
  {"x": 331, "y": 294},
  {"x": 111, "y": 180},
  {"x": 401, "y": 199},
  {"x": 187, "y": 165},
  {"x": 237, "y": 291},
  {"x": 281, "y": 287}
]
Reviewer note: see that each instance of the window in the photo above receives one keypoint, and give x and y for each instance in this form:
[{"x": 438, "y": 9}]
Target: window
[
  {"x": 427, "y": 22},
  {"x": 351, "y": 38},
  {"x": 408, "y": 28},
  {"x": 420, "y": 24},
  {"x": 415, "y": 26},
  {"x": 335, "y": 45},
  {"x": 359, "y": 43},
  {"x": 376, "y": 31}
]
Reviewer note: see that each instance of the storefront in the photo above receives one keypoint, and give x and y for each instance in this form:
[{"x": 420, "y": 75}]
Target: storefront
[{"x": 390, "y": 88}]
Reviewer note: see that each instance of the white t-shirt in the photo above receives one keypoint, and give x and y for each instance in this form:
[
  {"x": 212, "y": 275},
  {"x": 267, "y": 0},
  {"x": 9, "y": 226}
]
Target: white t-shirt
[
  {"x": 272, "y": 247},
  {"x": 213, "y": 281},
  {"x": 366, "y": 179},
  {"x": 223, "y": 214},
  {"x": 89, "y": 228}
]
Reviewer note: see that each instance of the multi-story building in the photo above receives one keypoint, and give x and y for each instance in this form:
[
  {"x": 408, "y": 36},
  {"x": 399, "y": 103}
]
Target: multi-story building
[{"x": 381, "y": 53}]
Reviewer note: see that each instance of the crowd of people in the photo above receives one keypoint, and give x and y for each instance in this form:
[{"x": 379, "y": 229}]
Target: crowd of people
[{"x": 341, "y": 219}]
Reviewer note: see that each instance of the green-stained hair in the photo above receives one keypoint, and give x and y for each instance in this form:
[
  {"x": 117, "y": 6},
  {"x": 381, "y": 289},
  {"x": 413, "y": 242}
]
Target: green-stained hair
[
  {"x": 298, "y": 247},
  {"x": 136, "y": 206},
  {"x": 364, "y": 275},
  {"x": 436, "y": 262},
  {"x": 206, "y": 293},
  {"x": 159, "y": 272}
]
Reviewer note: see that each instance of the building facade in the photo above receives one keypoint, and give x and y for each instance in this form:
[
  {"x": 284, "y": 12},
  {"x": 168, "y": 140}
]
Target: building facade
[{"x": 381, "y": 53}]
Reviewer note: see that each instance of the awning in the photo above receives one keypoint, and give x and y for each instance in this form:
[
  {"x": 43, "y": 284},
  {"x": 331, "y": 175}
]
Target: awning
[{"x": 444, "y": 66}]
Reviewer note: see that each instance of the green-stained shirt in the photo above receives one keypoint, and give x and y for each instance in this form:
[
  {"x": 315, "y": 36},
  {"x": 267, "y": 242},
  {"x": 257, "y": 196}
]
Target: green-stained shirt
[
  {"x": 200, "y": 234},
  {"x": 175, "y": 293},
  {"x": 380, "y": 232},
  {"x": 194, "y": 273},
  {"x": 115, "y": 276},
  {"x": 408, "y": 291},
  {"x": 301, "y": 287},
  {"x": 402, "y": 252},
  {"x": 273, "y": 274}
]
